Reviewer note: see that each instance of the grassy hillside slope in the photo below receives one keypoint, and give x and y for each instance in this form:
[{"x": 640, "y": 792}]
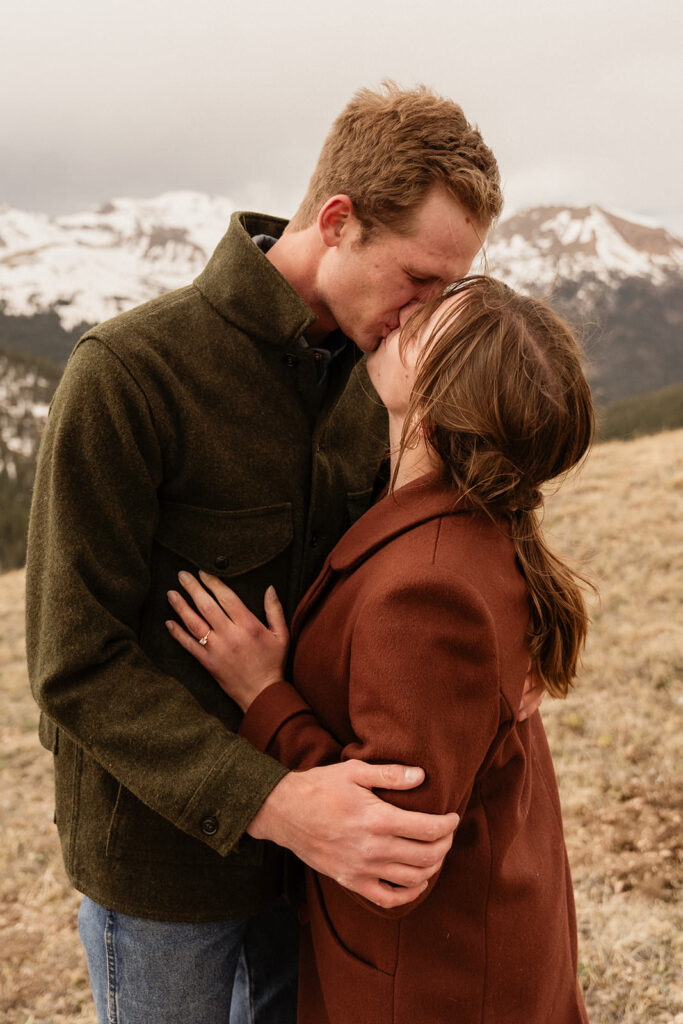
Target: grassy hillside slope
[
  {"x": 614, "y": 743},
  {"x": 616, "y": 740},
  {"x": 642, "y": 414}
]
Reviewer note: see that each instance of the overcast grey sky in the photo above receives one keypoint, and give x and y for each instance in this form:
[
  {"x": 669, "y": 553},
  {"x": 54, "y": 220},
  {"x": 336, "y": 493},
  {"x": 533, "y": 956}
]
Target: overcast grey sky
[{"x": 580, "y": 101}]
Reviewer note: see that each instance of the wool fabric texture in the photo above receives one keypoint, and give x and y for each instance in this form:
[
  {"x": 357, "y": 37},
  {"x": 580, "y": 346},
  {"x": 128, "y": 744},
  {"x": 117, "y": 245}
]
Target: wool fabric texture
[
  {"x": 411, "y": 649},
  {"x": 185, "y": 434}
]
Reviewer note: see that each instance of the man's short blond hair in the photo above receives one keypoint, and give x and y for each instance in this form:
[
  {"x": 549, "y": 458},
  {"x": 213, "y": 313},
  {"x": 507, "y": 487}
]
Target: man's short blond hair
[{"x": 388, "y": 148}]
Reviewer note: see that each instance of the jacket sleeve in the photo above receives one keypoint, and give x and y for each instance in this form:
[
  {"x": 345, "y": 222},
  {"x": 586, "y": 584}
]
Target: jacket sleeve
[
  {"x": 423, "y": 690},
  {"x": 93, "y": 519}
]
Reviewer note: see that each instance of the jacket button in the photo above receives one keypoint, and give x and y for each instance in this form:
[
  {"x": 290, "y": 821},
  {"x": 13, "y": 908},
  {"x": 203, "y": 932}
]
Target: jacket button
[
  {"x": 221, "y": 561},
  {"x": 291, "y": 360},
  {"x": 209, "y": 826}
]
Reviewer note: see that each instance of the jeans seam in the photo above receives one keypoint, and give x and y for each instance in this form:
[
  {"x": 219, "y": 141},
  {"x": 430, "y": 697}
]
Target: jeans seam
[
  {"x": 112, "y": 1008},
  {"x": 250, "y": 990},
  {"x": 248, "y": 981}
]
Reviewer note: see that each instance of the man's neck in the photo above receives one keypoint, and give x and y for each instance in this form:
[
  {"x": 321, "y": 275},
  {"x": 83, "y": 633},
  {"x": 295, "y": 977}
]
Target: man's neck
[{"x": 296, "y": 255}]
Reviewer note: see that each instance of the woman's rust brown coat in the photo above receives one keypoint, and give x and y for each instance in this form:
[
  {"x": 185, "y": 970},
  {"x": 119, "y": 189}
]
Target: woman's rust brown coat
[{"x": 410, "y": 648}]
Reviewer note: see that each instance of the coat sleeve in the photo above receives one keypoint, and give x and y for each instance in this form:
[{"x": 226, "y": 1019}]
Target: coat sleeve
[
  {"x": 423, "y": 690},
  {"x": 93, "y": 519}
]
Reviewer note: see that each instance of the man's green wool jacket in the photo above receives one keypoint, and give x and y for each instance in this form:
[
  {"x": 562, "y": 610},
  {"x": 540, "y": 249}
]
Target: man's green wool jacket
[{"x": 185, "y": 434}]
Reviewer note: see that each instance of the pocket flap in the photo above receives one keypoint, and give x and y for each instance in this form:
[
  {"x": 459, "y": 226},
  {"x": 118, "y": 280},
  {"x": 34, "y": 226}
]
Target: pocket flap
[{"x": 225, "y": 542}]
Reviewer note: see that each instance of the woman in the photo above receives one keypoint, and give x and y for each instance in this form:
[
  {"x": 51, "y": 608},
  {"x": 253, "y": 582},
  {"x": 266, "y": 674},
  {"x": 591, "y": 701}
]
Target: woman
[{"x": 412, "y": 647}]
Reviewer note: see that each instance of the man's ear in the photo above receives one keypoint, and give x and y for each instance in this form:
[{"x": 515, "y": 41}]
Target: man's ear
[{"x": 334, "y": 219}]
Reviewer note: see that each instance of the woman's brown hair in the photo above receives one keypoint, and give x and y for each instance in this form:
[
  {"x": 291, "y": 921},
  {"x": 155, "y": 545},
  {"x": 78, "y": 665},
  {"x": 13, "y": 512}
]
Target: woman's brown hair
[{"x": 502, "y": 398}]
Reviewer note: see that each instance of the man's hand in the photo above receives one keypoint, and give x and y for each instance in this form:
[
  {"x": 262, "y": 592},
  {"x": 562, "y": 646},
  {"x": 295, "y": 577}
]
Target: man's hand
[
  {"x": 533, "y": 693},
  {"x": 330, "y": 818}
]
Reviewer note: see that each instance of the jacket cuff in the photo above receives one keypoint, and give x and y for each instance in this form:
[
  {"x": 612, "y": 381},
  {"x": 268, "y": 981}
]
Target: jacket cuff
[
  {"x": 267, "y": 714},
  {"x": 247, "y": 777}
]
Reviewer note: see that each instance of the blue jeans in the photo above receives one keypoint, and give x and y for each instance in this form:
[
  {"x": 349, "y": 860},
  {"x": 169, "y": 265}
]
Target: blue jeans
[{"x": 158, "y": 972}]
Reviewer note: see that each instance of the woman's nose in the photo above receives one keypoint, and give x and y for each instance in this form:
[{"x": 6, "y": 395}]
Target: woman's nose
[{"x": 405, "y": 312}]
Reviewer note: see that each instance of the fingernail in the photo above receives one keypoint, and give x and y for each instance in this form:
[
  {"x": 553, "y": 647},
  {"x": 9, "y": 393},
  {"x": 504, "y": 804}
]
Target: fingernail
[
  {"x": 169, "y": 625},
  {"x": 271, "y": 591},
  {"x": 172, "y": 596},
  {"x": 183, "y": 576},
  {"x": 412, "y": 774}
]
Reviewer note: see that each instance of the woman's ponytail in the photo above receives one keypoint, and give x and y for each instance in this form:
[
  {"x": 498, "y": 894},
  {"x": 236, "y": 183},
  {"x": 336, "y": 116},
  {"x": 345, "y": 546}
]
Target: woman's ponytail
[
  {"x": 558, "y": 616},
  {"x": 502, "y": 399}
]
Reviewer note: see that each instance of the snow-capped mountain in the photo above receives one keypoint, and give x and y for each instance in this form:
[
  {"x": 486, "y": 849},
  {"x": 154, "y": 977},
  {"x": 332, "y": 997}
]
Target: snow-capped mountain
[
  {"x": 620, "y": 275},
  {"x": 542, "y": 247},
  {"x": 618, "y": 279},
  {"x": 88, "y": 267}
]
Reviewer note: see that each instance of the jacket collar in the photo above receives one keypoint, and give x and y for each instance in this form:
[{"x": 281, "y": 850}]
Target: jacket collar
[
  {"x": 247, "y": 290},
  {"x": 428, "y": 497}
]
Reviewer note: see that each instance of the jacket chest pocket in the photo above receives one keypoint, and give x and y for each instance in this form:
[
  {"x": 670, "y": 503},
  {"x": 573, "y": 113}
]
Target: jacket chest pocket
[
  {"x": 225, "y": 542},
  {"x": 248, "y": 548}
]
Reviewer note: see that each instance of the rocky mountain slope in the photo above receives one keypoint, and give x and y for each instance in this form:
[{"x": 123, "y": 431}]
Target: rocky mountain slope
[
  {"x": 620, "y": 281},
  {"x": 26, "y": 387}
]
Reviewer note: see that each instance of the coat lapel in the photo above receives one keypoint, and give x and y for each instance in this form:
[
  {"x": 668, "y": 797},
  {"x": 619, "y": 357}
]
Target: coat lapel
[{"x": 428, "y": 497}]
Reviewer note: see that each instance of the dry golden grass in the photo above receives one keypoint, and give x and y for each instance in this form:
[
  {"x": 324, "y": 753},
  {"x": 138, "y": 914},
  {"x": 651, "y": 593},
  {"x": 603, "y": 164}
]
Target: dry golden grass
[
  {"x": 616, "y": 739},
  {"x": 614, "y": 743},
  {"x": 43, "y": 978}
]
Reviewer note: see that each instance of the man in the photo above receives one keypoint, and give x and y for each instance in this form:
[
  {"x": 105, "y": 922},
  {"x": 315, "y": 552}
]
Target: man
[{"x": 229, "y": 426}]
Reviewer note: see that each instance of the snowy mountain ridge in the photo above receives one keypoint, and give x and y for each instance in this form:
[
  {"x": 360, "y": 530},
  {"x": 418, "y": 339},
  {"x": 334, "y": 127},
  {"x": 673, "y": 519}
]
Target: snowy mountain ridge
[
  {"x": 87, "y": 267},
  {"x": 538, "y": 247},
  {"x": 90, "y": 266}
]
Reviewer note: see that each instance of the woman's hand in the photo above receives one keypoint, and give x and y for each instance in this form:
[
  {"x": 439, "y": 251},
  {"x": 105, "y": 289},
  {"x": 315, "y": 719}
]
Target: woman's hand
[{"x": 242, "y": 654}]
